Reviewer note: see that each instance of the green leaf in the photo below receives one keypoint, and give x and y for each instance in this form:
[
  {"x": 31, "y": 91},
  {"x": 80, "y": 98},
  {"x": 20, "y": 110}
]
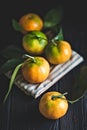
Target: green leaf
[
  {"x": 12, "y": 51},
  {"x": 16, "y": 26},
  {"x": 12, "y": 80},
  {"x": 53, "y": 17},
  {"x": 10, "y": 64},
  {"x": 59, "y": 36},
  {"x": 80, "y": 87}
]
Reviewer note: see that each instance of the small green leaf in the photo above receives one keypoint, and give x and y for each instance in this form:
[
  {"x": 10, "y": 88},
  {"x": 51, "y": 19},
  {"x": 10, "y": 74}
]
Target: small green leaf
[
  {"x": 59, "y": 36},
  {"x": 12, "y": 80},
  {"x": 53, "y": 17},
  {"x": 16, "y": 26},
  {"x": 12, "y": 51},
  {"x": 10, "y": 64}
]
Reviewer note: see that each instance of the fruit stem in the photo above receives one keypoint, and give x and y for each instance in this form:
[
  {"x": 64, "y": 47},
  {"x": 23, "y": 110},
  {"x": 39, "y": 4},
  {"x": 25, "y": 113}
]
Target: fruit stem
[
  {"x": 54, "y": 42},
  {"x": 26, "y": 55},
  {"x": 59, "y": 96}
]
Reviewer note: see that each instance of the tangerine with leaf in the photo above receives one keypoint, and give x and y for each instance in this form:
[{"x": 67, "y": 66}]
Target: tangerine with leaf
[
  {"x": 35, "y": 69},
  {"x": 53, "y": 105}
]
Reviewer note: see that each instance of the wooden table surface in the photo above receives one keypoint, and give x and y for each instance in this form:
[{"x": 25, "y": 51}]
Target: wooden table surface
[{"x": 20, "y": 112}]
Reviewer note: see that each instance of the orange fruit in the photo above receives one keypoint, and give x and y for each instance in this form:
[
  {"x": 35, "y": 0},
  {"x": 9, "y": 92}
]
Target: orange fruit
[
  {"x": 58, "y": 52},
  {"x": 35, "y": 42},
  {"x": 52, "y": 105},
  {"x": 31, "y": 21},
  {"x": 35, "y": 69}
]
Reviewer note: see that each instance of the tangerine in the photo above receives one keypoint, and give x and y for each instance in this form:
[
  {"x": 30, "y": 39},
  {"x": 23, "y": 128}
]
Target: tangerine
[
  {"x": 35, "y": 69},
  {"x": 58, "y": 52},
  {"x": 52, "y": 105},
  {"x": 30, "y": 22},
  {"x": 35, "y": 42}
]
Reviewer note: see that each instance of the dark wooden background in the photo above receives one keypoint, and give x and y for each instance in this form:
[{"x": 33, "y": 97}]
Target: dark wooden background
[{"x": 20, "y": 112}]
